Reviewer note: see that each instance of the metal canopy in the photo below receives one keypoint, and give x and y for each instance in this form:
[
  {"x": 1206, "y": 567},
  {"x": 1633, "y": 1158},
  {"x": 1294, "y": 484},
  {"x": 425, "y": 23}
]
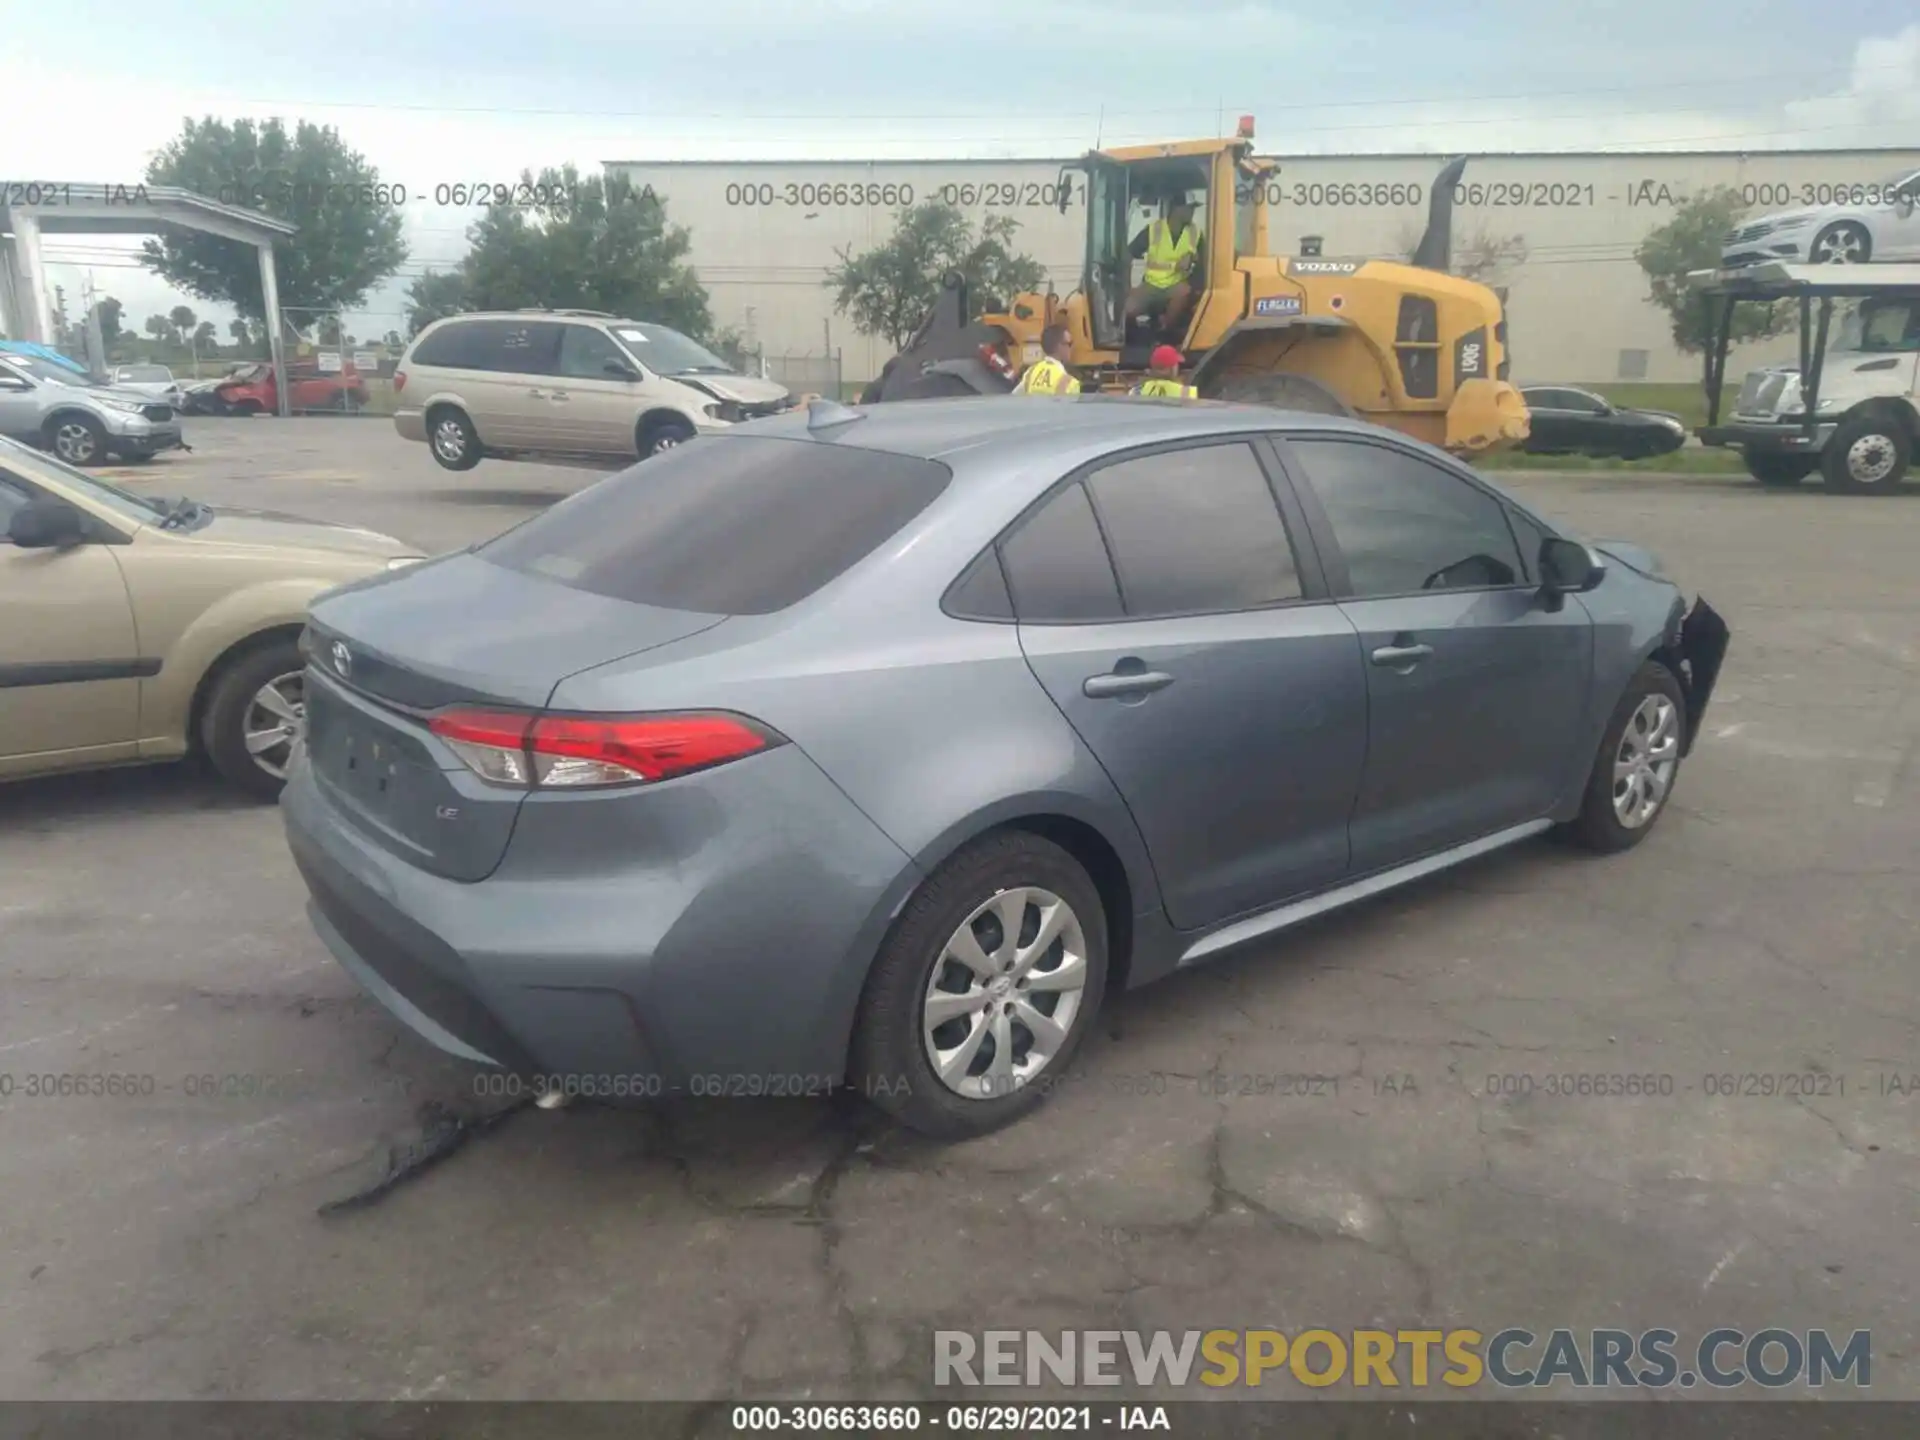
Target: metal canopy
[
  {"x": 1779, "y": 280},
  {"x": 74, "y": 208}
]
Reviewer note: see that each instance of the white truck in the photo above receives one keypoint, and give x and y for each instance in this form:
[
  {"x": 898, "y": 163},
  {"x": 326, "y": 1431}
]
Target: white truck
[{"x": 1850, "y": 408}]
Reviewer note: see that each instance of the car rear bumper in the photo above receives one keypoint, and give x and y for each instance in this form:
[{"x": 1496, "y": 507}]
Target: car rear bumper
[
  {"x": 410, "y": 424},
  {"x": 736, "y": 970}
]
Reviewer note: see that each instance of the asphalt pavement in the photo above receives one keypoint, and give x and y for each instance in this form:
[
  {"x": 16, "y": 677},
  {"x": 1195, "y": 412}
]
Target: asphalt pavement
[{"x": 1751, "y": 967}]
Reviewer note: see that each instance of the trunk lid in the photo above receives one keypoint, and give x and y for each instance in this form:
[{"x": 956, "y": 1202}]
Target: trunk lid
[{"x": 384, "y": 654}]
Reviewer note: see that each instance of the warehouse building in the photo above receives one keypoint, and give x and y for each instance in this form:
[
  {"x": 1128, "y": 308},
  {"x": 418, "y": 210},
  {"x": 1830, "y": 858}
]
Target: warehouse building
[{"x": 1559, "y": 231}]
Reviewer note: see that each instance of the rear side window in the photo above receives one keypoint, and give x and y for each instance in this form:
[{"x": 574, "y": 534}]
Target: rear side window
[
  {"x": 1057, "y": 565},
  {"x": 514, "y": 346},
  {"x": 724, "y": 526},
  {"x": 1195, "y": 531}
]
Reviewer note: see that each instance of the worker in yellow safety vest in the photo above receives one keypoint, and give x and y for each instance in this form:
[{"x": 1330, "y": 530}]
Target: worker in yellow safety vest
[
  {"x": 1049, "y": 374},
  {"x": 1163, "y": 376},
  {"x": 1171, "y": 248}
]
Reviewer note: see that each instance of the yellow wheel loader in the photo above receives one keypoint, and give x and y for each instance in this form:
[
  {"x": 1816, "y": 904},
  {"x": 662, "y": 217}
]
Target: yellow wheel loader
[{"x": 1403, "y": 345}]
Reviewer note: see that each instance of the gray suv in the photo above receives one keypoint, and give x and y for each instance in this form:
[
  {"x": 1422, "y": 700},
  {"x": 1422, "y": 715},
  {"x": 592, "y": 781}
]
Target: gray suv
[{"x": 82, "y": 421}]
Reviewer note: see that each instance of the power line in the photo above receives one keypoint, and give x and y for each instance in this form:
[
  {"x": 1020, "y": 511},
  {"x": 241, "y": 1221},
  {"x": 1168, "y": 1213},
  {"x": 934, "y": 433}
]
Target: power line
[{"x": 1802, "y": 76}]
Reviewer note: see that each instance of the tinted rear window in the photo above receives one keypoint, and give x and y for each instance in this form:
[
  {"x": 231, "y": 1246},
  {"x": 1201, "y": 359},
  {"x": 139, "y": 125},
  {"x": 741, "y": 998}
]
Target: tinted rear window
[
  {"x": 724, "y": 526},
  {"x": 515, "y": 346}
]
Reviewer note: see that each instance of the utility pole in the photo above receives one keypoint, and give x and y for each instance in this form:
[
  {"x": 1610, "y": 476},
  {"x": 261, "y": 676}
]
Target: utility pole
[{"x": 96, "y": 344}]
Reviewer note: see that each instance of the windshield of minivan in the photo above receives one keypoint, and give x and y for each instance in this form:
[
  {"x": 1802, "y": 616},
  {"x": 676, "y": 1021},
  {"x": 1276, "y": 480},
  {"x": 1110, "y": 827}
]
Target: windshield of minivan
[{"x": 668, "y": 352}]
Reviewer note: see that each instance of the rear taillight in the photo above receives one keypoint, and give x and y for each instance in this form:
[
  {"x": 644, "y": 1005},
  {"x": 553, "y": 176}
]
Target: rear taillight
[
  {"x": 399, "y": 381},
  {"x": 589, "y": 751}
]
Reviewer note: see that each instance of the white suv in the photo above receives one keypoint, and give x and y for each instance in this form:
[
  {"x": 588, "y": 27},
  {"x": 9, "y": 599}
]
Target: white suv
[
  {"x": 571, "y": 384},
  {"x": 1863, "y": 223}
]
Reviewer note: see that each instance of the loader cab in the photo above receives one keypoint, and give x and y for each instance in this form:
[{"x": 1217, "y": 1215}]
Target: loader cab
[{"x": 1127, "y": 190}]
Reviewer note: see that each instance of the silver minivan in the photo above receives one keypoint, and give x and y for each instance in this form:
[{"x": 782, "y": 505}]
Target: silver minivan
[{"x": 571, "y": 384}]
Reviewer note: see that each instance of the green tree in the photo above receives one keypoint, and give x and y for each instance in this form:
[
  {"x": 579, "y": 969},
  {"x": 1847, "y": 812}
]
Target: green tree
[
  {"x": 889, "y": 290},
  {"x": 393, "y": 341},
  {"x": 592, "y": 244},
  {"x": 161, "y": 328},
  {"x": 434, "y": 296},
  {"x": 1691, "y": 241},
  {"x": 206, "y": 336},
  {"x": 349, "y": 232},
  {"x": 184, "y": 320},
  {"x": 110, "y": 311}
]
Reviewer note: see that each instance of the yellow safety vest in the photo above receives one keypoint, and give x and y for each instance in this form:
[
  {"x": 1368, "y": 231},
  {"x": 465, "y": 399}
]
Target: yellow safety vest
[
  {"x": 1164, "y": 254},
  {"x": 1170, "y": 388},
  {"x": 1047, "y": 376}
]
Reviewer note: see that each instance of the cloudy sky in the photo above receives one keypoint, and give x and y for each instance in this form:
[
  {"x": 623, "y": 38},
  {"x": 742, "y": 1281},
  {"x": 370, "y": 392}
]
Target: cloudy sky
[{"x": 438, "y": 91}]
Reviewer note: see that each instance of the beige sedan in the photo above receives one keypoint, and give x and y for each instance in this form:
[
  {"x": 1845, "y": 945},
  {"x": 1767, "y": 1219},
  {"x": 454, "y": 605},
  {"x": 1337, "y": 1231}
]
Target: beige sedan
[{"x": 136, "y": 630}]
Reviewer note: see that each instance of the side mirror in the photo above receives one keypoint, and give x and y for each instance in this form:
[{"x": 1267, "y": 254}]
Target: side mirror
[
  {"x": 1569, "y": 568},
  {"x": 47, "y": 524},
  {"x": 620, "y": 370}
]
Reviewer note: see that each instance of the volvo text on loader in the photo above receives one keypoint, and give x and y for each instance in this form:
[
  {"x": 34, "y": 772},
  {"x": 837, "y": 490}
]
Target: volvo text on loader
[{"x": 1403, "y": 345}]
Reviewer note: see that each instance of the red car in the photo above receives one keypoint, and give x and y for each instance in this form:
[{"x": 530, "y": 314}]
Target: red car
[{"x": 253, "y": 391}]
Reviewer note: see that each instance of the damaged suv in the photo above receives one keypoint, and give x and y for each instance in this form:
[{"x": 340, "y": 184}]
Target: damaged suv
[{"x": 568, "y": 384}]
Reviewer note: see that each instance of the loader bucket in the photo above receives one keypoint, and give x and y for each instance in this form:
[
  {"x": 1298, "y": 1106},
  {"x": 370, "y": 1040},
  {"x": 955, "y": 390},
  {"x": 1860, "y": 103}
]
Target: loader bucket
[{"x": 943, "y": 358}]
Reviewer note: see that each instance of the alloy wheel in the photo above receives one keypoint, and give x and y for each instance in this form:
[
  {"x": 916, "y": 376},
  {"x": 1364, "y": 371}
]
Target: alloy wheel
[
  {"x": 1644, "y": 764},
  {"x": 450, "y": 440},
  {"x": 1005, "y": 993},
  {"x": 74, "y": 443},
  {"x": 1871, "y": 458},
  {"x": 1843, "y": 246},
  {"x": 276, "y": 722}
]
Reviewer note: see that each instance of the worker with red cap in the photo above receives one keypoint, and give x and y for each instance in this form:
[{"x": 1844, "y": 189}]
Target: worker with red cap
[{"x": 1163, "y": 376}]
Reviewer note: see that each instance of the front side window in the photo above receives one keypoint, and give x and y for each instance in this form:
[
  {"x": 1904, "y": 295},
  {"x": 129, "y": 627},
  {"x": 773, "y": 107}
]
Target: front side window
[
  {"x": 1405, "y": 525},
  {"x": 137, "y": 508},
  {"x": 1195, "y": 531},
  {"x": 586, "y": 352}
]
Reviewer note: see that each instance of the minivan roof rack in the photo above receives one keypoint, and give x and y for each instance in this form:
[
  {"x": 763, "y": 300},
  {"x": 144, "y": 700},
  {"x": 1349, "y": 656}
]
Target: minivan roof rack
[{"x": 543, "y": 310}]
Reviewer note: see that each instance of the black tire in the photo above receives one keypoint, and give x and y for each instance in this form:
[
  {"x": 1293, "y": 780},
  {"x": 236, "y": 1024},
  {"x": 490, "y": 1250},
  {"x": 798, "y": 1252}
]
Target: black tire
[
  {"x": 1783, "y": 470},
  {"x": 223, "y": 716},
  {"x": 452, "y": 439},
  {"x": 77, "y": 438},
  {"x": 1282, "y": 391},
  {"x": 889, "y": 1061},
  {"x": 1863, "y": 438},
  {"x": 661, "y": 433},
  {"x": 1849, "y": 241},
  {"x": 1599, "y": 826},
  {"x": 247, "y": 408}
]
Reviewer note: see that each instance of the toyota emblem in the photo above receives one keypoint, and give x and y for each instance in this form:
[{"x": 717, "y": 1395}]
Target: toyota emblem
[{"x": 342, "y": 659}]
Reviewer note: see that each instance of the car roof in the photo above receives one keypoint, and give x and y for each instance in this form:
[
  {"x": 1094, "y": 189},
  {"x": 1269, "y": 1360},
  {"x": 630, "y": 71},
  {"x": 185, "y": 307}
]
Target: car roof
[{"x": 1040, "y": 427}]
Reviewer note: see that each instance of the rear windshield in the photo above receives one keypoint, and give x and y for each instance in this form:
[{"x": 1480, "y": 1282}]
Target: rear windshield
[{"x": 724, "y": 525}]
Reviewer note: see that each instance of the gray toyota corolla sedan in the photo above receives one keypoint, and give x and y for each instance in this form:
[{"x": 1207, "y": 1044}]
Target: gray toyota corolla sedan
[{"x": 874, "y": 749}]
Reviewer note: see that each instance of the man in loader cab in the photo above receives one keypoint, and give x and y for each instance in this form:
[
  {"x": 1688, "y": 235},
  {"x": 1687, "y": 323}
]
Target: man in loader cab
[
  {"x": 1171, "y": 248},
  {"x": 1049, "y": 374},
  {"x": 1163, "y": 376}
]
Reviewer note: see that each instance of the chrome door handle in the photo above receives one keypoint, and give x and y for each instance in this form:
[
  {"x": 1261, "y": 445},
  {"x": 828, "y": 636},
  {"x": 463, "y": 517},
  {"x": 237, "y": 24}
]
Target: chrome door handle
[
  {"x": 558, "y": 395},
  {"x": 536, "y": 394},
  {"x": 1402, "y": 657},
  {"x": 1134, "y": 682}
]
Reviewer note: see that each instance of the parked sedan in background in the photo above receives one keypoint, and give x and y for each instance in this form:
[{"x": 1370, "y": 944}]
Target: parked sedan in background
[
  {"x": 1570, "y": 421},
  {"x": 851, "y": 745},
  {"x": 154, "y": 381},
  {"x": 139, "y": 629}
]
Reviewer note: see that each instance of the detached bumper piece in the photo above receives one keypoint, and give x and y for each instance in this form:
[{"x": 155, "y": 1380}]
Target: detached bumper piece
[{"x": 1704, "y": 637}]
